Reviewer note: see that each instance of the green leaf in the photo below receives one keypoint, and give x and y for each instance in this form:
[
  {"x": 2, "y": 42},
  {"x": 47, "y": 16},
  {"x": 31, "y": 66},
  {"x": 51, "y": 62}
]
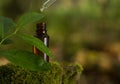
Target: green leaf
[
  {"x": 7, "y": 41},
  {"x": 5, "y": 25},
  {"x": 29, "y": 18},
  {"x": 26, "y": 60},
  {"x": 37, "y": 43},
  {"x": 1, "y": 30},
  {"x": 0, "y": 38}
]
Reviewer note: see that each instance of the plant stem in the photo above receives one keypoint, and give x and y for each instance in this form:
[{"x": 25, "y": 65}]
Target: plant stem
[
  {"x": 8, "y": 37},
  {"x": 1, "y": 42}
]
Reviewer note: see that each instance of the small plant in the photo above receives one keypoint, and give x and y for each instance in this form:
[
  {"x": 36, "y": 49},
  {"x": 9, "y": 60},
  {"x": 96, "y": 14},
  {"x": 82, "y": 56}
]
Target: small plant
[{"x": 22, "y": 58}]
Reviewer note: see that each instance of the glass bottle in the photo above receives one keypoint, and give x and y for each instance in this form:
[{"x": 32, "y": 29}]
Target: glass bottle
[{"x": 41, "y": 33}]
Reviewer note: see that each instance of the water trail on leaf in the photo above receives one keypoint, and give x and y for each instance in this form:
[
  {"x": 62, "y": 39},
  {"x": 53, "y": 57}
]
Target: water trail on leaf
[{"x": 47, "y": 4}]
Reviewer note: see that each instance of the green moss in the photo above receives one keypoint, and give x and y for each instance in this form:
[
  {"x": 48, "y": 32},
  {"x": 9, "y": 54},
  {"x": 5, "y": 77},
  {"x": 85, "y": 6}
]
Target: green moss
[
  {"x": 71, "y": 74},
  {"x": 11, "y": 74}
]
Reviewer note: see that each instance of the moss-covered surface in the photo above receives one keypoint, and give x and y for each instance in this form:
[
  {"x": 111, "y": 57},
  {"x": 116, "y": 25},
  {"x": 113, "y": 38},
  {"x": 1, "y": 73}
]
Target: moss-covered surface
[
  {"x": 11, "y": 74},
  {"x": 71, "y": 74}
]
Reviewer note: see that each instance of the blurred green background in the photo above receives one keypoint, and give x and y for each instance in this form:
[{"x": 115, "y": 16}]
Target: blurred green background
[{"x": 86, "y": 32}]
